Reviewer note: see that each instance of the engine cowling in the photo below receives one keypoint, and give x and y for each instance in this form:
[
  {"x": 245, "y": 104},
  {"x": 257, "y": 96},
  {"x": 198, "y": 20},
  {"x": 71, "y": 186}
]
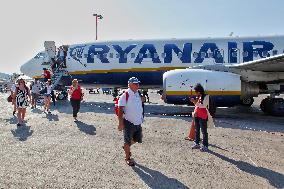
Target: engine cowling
[{"x": 223, "y": 87}]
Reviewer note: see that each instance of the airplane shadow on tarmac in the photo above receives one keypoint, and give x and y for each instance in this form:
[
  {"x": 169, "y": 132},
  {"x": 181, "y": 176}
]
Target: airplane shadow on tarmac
[
  {"x": 22, "y": 133},
  {"x": 235, "y": 117},
  {"x": 160, "y": 111},
  {"x": 155, "y": 179},
  {"x": 275, "y": 179},
  {"x": 88, "y": 129}
]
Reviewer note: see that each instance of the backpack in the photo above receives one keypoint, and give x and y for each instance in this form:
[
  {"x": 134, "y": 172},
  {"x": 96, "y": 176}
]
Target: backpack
[
  {"x": 126, "y": 96},
  {"x": 116, "y": 102}
]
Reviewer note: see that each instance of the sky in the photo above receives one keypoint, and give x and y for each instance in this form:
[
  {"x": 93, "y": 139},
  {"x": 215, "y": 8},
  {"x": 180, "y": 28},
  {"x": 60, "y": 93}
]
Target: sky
[{"x": 26, "y": 24}]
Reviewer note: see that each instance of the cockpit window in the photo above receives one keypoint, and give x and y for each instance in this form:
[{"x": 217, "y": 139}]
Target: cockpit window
[{"x": 39, "y": 55}]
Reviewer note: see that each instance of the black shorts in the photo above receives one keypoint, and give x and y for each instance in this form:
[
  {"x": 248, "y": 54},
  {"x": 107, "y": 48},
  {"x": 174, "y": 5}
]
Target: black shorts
[{"x": 132, "y": 132}]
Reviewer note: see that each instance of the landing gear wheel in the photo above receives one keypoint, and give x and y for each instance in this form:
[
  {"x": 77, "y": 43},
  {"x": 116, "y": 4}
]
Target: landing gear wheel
[
  {"x": 247, "y": 101},
  {"x": 273, "y": 106},
  {"x": 263, "y": 104}
]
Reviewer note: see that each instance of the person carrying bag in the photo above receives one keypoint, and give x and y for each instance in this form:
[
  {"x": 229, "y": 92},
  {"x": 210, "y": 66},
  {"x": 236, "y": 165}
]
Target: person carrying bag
[{"x": 76, "y": 96}]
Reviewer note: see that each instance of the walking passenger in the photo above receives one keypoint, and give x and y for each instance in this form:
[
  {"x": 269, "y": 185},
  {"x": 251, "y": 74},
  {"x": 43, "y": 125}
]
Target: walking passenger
[
  {"x": 200, "y": 118},
  {"x": 130, "y": 117},
  {"x": 13, "y": 92},
  {"x": 76, "y": 95},
  {"x": 47, "y": 96},
  {"x": 35, "y": 90},
  {"x": 46, "y": 74},
  {"x": 22, "y": 96}
]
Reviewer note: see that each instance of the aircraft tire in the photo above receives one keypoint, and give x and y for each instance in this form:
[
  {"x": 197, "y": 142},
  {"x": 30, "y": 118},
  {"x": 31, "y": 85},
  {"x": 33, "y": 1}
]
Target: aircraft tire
[
  {"x": 275, "y": 107},
  {"x": 263, "y": 105},
  {"x": 247, "y": 101}
]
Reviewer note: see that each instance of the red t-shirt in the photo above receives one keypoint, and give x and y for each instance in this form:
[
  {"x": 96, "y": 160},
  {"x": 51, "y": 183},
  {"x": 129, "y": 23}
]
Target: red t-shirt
[
  {"x": 76, "y": 95},
  {"x": 46, "y": 74},
  {"x": 201, "y": 112}
]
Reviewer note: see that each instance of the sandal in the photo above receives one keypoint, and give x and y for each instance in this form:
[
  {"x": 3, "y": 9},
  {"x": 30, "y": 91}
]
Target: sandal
[
  {"x": 187, "y": 138},
  {"x": 130, "y": 162}
]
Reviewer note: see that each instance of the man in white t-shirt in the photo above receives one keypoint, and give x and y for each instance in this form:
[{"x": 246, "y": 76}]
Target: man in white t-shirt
[{"x": 130, "y": 117}]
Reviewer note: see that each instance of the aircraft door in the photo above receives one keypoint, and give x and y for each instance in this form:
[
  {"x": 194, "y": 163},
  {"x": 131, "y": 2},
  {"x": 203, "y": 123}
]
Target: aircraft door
[{"x": 50, "y": 48}]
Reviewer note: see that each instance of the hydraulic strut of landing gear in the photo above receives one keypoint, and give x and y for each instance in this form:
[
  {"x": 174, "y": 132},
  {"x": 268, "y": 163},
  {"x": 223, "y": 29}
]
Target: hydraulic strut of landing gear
[{"x": 273, "y": 106}]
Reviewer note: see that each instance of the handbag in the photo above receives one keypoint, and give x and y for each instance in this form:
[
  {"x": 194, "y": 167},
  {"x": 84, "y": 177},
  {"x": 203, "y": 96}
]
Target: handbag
[{"x": 10, "y": 98}]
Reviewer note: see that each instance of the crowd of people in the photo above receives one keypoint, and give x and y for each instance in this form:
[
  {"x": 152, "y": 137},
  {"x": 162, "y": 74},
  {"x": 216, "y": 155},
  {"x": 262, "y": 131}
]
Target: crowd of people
[{"x": 130, "y": 113}]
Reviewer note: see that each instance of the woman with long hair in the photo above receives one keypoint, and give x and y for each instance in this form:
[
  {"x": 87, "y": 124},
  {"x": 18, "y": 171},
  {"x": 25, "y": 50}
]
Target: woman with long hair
[
  {"x": 76, "y": 95},
  {"x": 22, "y": 96},
  {"x": 200, "y": 118},
  {"x": 47, "y": 96}
]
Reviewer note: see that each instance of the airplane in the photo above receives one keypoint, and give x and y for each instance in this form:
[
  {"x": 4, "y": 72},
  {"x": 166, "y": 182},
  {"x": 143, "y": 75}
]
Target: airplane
[{"x": 233, "y": 70}]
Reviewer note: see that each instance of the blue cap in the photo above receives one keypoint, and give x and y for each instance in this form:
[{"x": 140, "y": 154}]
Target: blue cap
[{"x": 133, "y": 80}]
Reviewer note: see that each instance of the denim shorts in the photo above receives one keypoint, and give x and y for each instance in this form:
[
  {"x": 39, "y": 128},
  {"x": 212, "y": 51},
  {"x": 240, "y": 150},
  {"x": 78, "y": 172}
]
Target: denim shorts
[{"x": 132, "y": 132}]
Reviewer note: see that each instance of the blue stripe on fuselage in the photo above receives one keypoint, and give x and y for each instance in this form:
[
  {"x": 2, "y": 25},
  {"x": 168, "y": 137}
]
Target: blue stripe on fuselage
[{"x": 121, "y": 78}]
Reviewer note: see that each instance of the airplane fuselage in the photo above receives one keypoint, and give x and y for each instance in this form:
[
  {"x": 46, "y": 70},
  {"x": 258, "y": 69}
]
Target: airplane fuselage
[{"x": 114, "y": 62}]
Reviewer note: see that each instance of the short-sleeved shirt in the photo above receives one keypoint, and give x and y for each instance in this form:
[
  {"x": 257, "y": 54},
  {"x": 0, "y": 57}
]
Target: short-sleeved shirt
[
  {"x": 48, "y": 89},
  {"x": 200, "y": 109},
  {"x": 133, "y": 110},
  {"x": 77, "y": 93},
  {"x": 36, "y": 88}
]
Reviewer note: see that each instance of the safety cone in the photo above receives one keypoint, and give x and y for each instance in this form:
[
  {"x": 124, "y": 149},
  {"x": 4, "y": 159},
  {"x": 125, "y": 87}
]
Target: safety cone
[{"x": 191, "y": 134}]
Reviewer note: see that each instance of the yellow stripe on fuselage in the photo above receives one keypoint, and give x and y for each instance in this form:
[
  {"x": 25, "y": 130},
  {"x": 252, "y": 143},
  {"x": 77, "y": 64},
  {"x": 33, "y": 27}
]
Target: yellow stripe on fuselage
[
  {"x": 122, "y": 70},
  {"x": 214, "y": 93},
  {"x": 128, "y": 70}
]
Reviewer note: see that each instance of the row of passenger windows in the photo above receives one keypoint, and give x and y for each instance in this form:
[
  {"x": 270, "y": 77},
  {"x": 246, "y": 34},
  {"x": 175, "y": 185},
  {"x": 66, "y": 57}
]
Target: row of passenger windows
[{"x": 194, "y": 55}]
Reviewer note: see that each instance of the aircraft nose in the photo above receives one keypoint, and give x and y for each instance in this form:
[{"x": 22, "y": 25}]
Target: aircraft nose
[{"x": 25, "y": 68}]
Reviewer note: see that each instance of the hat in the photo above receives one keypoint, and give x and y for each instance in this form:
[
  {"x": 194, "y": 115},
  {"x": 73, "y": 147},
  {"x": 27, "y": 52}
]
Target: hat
[
  {"x": 133, "y": 80},
  {"x": 44, "y": 68}
]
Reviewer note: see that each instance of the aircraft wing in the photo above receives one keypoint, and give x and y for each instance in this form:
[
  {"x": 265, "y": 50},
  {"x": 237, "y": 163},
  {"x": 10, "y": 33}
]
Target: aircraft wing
[{"x": 269, "y": 64}]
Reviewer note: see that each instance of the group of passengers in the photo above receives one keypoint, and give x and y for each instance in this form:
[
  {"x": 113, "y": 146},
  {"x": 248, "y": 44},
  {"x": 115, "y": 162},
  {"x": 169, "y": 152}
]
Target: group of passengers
[{"x": 130, "y": 110}]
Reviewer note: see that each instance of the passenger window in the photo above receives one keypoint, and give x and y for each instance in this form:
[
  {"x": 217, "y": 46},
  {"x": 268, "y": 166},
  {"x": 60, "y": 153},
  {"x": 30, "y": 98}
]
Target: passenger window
[
  {"x": 195, "y": 55},
  {"x": 274, "y": 52},
  {"x": 132, "y": 55},
  {"x": 245, "y": 54},
  {"x": 235, "y": 54},
  {"x": 110, "y": 55},
  {"x": 264, "y": 53},
  {"x": 210, "y": 54},
  {"x": 156, "y": 55},
  {"x": 219, "y": 55}
]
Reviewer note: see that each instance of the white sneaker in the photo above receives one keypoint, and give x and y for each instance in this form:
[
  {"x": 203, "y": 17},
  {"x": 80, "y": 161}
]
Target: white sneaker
[
  {"x": 195, "y": 146},
  {"x": 204, "y": 149}
]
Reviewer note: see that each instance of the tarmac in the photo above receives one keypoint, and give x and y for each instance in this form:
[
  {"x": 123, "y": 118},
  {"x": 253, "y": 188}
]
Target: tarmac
[{"x": 246, "y": 148}]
